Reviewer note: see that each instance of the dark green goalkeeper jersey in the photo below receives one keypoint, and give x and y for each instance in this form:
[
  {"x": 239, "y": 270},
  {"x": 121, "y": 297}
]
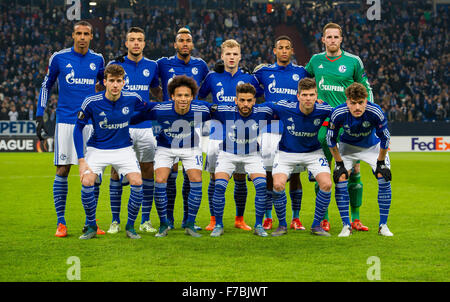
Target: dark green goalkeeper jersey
[{"x": 334, "y": 74}]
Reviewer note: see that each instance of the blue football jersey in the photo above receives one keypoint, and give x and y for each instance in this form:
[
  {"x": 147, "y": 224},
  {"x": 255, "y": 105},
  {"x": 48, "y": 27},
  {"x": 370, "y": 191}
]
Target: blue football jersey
[
  {"x": 140, "y": 77},
  {"x": 222, "y": 86},
  {"x": 172, "y": 66},
  {"x": 279, "y": 82},
  {"x": 177, "y": 131},
  {"x": 364, "y": 131},
  {"x": 300, "y": 131},
  {"x": 110, "y": 120},
  {"x": 239, "y": 133},
  {"x": 77, "y": 75}
]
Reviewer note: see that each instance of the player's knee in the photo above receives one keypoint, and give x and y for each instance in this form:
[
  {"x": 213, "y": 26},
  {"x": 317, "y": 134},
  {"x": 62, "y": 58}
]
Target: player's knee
[
  {"x": 295, "y": 182},
  {"x": 147, "y": 170},
  {"x": 136, "y": 182},
  {"x": 114, "y": 174},
  {"x": 238, "y": 176},
  {"x": 135, "y": 179},
  {"x": 160, "y": 179},
  {"x": 343, "y": 178},
  {"x": 356, "y": 168},
  {"x": 63, "y": 170},
  {"x": 195, "y": 177},
  {"x": 325, "y": 185},
  {"x": 278, "y": 186}
]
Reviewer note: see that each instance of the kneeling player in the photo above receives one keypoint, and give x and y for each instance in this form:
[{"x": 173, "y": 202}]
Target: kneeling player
[
  {"x": 110, "y": 144},
  {"x": 299, "y": 147},
  {"x": 366, "y": 138}
]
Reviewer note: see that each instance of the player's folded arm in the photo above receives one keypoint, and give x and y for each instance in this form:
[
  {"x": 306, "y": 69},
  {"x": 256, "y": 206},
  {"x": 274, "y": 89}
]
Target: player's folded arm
[{"x": 147, "y": 114}]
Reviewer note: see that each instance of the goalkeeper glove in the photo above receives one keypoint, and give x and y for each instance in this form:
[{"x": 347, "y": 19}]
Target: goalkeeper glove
[
  {"x": 41, "y": 132},
  {"x": 338, "y": 171},
  {"x": 219, "y": 66},
  {"x": 383, "y": 170},
  {"x": 213, "y": 108},
  {"x": 245, "y": 69},
  {"x": 120, "y": 58}
]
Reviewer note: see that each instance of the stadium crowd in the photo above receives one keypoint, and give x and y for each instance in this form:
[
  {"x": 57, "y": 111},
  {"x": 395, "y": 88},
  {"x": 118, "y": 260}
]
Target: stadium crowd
[{"x": 405, "y": 53}]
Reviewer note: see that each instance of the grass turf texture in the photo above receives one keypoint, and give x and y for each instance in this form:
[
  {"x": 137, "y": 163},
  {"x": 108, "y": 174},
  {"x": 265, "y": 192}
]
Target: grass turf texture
[{"x": 419, "y": 218}]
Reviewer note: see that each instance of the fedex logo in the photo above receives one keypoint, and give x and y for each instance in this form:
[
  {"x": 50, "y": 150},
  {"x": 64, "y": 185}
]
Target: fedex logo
[{"x": 436, "y": 144}]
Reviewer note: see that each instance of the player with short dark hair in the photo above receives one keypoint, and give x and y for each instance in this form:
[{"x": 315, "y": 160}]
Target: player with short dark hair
[
  {"x": 365, "y": 137},
  {"x": 110, "y": 144},
  {"x": 141, "y": 76},
  {"x": 76, "y": 70}
]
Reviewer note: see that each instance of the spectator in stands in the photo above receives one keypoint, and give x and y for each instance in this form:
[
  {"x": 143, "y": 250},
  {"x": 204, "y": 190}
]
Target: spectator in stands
[
  {"x": 4, "y": 114},
  {"x": 13, "y": 114},
  {"x": 429, "y": 109},
  {"x": 441, "y": 113},
  {"x": 31, "y": 112},
  {"x": 406, "y": 56}
]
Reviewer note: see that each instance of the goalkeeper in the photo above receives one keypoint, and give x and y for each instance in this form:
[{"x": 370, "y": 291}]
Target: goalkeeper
[{"x": 334, "y": 70}]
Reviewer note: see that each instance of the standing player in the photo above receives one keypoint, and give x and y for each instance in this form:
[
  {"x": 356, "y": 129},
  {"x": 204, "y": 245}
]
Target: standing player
[
  {"x": 180, "y": 64},
  {"x": 365, "y": 137},
  {"x": 180, "y": 120},
  {"x": 77, "y": 70},
  {"x": 299, "y": 147},
  {"x": 239, "y": 151},
  {"x": 222, "y": 87},
  {"x": 280, "y": 81},
  {"x": 334, "y": 70},
  {"x": 110, "y": 144},
  {"x": 141, "y": 76}
]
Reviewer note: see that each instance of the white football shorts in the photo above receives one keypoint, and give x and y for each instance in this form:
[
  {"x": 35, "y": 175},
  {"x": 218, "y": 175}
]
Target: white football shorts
[
  {"x": 144, "y": 144},
  {"x": 214, "y": 147},
  {"x": 65, "y": 153},
  {"x": 239, "y": 163},
  {"x": 351, "y": 154},
  {"x": 190, "y": 158},
  {"x": 288, "y": 163},
  {"x": 123, "y": 160},
  {"x": 269, "y": 146}
]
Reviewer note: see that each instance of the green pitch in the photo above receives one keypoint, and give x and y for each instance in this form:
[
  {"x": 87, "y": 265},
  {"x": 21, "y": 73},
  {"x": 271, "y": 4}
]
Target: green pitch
[{"x": 419, "y": 218}]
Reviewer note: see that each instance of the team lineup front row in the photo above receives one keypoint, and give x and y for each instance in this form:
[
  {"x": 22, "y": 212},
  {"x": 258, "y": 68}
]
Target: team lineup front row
[{"x": 235, "y": 146}]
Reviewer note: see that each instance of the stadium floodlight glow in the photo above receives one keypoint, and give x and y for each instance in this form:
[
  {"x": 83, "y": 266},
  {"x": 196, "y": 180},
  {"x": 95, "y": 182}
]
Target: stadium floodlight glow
[{"x": 92, "y": 3}]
